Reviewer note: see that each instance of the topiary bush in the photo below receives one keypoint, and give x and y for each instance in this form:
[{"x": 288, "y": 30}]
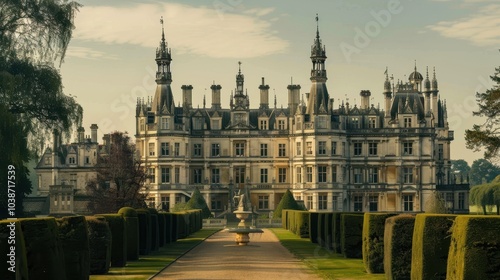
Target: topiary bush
[
  {"x": 430, "y": 245},
  {"x": 144, "y": 231},
  {"x": 397, "y": 246},
  {"x": 197, "y": 201},
  {"x": 373, "y": 241},
  {"x": 313, "y": 227},
  {"x": 44, "y": 253},
  {"x": 475, "y": 248},
  {"x": 336, "y": 233},
  {"x": 118, "y": 230},
  {"x": 99, "y": 245},
  {"x": 9, "y": 258},
  {"x": 155, "y": 238},
  {"x": 286, "y": 202},
  {"x": 351, "y": 239},
  {"x": 132, "y": 228},
  {"x": 74, "y": 237},
  {"x": 301, "y": 223}
]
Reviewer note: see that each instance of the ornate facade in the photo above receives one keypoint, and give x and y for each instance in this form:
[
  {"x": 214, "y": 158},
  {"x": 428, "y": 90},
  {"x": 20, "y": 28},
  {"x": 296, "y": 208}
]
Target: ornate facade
[{"x": 340, "y": 157}]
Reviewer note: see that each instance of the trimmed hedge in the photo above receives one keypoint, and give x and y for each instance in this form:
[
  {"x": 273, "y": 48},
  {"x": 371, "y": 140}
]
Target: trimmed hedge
[
  {"x": 284, "y": 218},
  {"x": 20, "y": 262},
  {"x": 302, "y": 223},
  {"x": 119, "y": 239},
  {"x": 175, "y": 223},
  {"x": 291, "y": 221},
  {"x": 144, "y": 231},
  {"x": 74, "y": 237},
  {"x": 155, "y": 238},
  {"x": 321, "y": 229},
  {"x": 373, "y": 241},
  {"x": 182, "y": 224},
  {"x": 313, "y": 227},
  {"x": 475, "y": 248},
  {"x": 397, "y": 246},
  {"x": 99, "y": 245},
  {"x": 43, "y": 251},
  {"x": 328, "y": 231},
  {"x": 431, "y": 243},
  {"x": 161, "y": 229},
  {"x": 170, "y": 233},
  {"x": 336, "y": 233},
  {"x": 132, "y": 228},
  {"x": 351, "y": 235}
]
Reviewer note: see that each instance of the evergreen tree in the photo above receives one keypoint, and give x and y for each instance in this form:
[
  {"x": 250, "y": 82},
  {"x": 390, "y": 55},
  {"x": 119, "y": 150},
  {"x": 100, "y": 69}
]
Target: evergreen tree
[
  {"x": 286, "y": 202},
  {"x": 197, "y": 201}
]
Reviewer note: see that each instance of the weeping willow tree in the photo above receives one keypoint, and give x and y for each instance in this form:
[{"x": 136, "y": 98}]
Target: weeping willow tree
[{"x": 34, "y": 36}]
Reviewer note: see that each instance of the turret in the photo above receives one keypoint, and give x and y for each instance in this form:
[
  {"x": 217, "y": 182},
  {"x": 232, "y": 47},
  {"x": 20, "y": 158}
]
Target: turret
[
  {"x": 216, "y": 96},
  {"x": 264, "y": 95}
]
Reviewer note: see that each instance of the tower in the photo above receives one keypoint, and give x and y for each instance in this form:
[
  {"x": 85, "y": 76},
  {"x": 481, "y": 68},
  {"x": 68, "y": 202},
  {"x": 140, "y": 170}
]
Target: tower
[{"x": 240, "y": 99}]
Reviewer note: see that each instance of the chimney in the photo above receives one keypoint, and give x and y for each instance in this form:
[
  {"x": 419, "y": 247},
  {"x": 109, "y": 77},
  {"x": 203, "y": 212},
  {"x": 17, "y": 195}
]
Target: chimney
[
  {"x": 105, "y": 139},
  {"x": 215, "y": 96},
  {"x": 93, "y": 133},
  {"x": 365, "y": 99},
  {"x": 187, "y": 96},
  {"x": 80, "y": 134},
  {"x": 293, "y": 98},
  {"x": 264, "y": 95}
]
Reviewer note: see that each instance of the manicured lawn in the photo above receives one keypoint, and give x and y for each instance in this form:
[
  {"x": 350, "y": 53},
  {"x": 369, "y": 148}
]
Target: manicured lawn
[
  {"x": 148, "y": 265},
  {"x": 326, "y": 264}
]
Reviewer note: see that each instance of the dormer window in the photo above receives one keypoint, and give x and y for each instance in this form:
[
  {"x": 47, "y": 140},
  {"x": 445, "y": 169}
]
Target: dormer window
[
  {"x": 407, "y": 121},
  {"x": 164, "y": 124},
  {"x": 281, "y": 125},
  {"x": 263, "y": 124},
  {"x": 72, "y": 160},
  {"x": 198, "y": 123},
  {"x": 215, "y": 124}
]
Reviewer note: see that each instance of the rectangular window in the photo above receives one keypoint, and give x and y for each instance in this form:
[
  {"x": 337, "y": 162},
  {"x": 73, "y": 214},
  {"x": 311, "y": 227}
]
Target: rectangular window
[
  {"x": 152, "y": 149},
  {"x": 322, "y": 148},
  {"x": 343, "y": 149},
  {"x": 165, "y": 175},
  {"x": 87, "y": 160},
  {"x": 164, "y": 123},
  {"x": 177, "y": 175},
  {"x": 322, "y": 201},
  {"x": 408, "y": 175},
  {"x": 151, "y": 175},
  {"x": 358, "y": 148},
  {"x": 450, "y": 201},
  {"x": 335, "y": 204},
  {"x": 198, "y": 123},
  {"x": 373, "y": 201},
  {"x": 309, "y": 202},
  {"x": 334, "y": 173},
  {"x": 215, "y": 152},
  {"x": 281, "y": 175},
  {"x": 309, "y": 148},
  {"x": 72, "y": 160},
  {"x": 239, "y": 175},
  {"x": 407, "y": 148},
  {"x": 72, "y": 180},
  {"x": 408, "y": 202},
  {"x": 355, "y": 122},
  {"x": 165, "y": 148},
  {"x": 263, "y": 150},
  {"x": 197, "y": 175},
  {"x": 321, "y": 122},
  {"x": 372, "y": 149},
  {"x": 142, "y": 125},
  {"x": 239, "y": 149},
  {"x": 372, "y": 122},
  {"x": 321, "y": 173},
  {"x": 263, "y": 124},
  {"x": 215, "y": 124},
  {"x": 299, "y": 174},
  {"x": 373, "y": 175},
  {"x": 165, "y": 202},
  {"x": 299, "y": 148},
  {"x": 461, "y": 200},
  {"x": 197, "y": 150},
  {"x": 264, "y": 175},
  {"x": 358, "y": 203},
  {"x": 440, "y": 151},
  {"x": 263, "y": 202},
  {"x": 334, "y": 148},
  {"x": 281, "y": 125},
  {"x": 215, "y": 178},
  {"x": 407, "y": 122},
  {"x": 177, "y": 149},
  {"x": 309, "y": 174},
  {"x": 282, "y": 150},
  {"x": 358, "y": 175}
]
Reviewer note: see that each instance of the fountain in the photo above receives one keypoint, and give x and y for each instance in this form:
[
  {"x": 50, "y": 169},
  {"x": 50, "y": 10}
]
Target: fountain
[{"x": 242, "y": 213}]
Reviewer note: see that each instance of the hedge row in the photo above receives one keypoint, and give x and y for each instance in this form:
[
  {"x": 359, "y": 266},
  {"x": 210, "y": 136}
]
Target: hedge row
[
  {"x": 397, "y": 246},
  {"x": 373, "y": 241}
]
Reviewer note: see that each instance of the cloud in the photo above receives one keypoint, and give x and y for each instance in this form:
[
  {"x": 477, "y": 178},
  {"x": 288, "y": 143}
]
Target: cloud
[
  {"x": 87, "y": 53},
  {"x": 202, "y": 31},
  {"x": 481, "y": 28}
]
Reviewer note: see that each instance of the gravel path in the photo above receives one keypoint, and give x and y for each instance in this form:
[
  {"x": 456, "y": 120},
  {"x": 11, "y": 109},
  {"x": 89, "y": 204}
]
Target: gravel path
[{"x": 218, "y": 257}]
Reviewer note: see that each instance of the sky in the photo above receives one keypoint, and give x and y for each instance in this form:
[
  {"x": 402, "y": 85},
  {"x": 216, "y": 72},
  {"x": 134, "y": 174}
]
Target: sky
[{"x": 110, "y": 60}]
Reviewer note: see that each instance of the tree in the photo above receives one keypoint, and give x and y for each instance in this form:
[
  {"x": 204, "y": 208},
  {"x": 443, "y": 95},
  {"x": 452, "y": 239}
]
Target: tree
[
  {"x": 460, "y": 168},
  {"x": 286, "y": 202},
  {"x": 483, "y": 171},
  {"x": 486, "y": 195},
  {"x": 197, "y": 201},
  {"x": 487, "y": 135},
  {"x": 435, "y": 204},
  {"x": 120, "y": 178}
]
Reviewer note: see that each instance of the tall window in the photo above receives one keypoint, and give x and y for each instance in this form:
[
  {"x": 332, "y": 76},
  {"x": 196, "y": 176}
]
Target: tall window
[
  {"x": 373, "y": 175},
  {"x": 239, "y": 175},
  {"x": 165, "y": 175},
  {"x": 215, "y": 124},
  {"x": 151, "y": 149},
  {"x": 165, "y": 148},
  {"x": 407, "y": 122},
  {"x": 197, "y": 150},
  {"x": 321, "y": 173},
  {"x": 72, "y": 180},
  {"x": 309, "y": 174},
  {"x": 239, "y": 149},
  {"x": 355, "y": 122},
  {"x": 264, "y": 175},
  {"x": 373, "y": 201},
  {"x": 177, "y": 149},
  {"x": 309, "y": 202},
  {"x": 358, "y": 175},
  {"x": 372, "y": 149},
  {"x": 164, "y": 123},
  {"x": 321, "y": 122},
  {"x": 408, "y": 202},
  {"x": 309, "y": 148},
  {"x": 197, "y": 175},
  {"x": 215, "y": 150},
  {"x": 322, "y": 201},
  {"x": 408, "y": 175},
  {"x": 372, "y": 122},
  {"x": 263, "y": 124},
  {"x": 142, "y": 125},
  {"x": 322, "y": 148},
  {"x": 263, "y": 150},
  {"x": 298, "y": 173},
  {"x": 461, "y": 200},
  {"x": 335, "y": 204},
  {"x": 282, "y": 175},
  {"x": 358, "y": 203},
  {"x": 281, "y": 150},
  {"x": 299, "y": 148},
  {"x": 440, "y": 151},
  {"x": 343, "y": 149},
  {"x": 198, "y": 123},
  {"x": 215, "y": 178},
  {"x": 334, "y": 173},
  {"x": 152, "y": 175},
  {"x": 334, "y": 148},
  {"x": 263, "y": 201},
  {"x": 358, "y": 148},
  {"x": 177, "y": 175},
  {"x": 407, "y": 148},
  {"x": 281, "y": 125}
]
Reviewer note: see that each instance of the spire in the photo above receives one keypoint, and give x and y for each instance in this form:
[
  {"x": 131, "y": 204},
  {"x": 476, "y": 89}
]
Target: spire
[
  {"x": 427, "y": 82},
  {"x": 434, "y": 81},
  {"x": 317, "y": 26},
  {"x": 387, "y": 83}
]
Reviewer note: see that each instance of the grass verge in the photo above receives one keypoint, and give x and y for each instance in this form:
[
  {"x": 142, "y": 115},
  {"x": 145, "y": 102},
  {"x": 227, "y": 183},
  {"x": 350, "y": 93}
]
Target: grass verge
[
  {"x": 324, "y": 263},
  {"x": 150, "y": 264}
]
